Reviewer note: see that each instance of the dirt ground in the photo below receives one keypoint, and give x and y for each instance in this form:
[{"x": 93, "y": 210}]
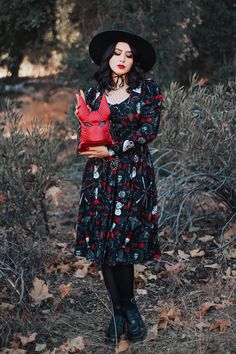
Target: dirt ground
[{"x": 188, "y": 303}]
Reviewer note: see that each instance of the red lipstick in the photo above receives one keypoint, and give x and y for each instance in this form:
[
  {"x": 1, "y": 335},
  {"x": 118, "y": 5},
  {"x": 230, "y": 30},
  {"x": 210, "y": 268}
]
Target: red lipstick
[{"x": 121, "y": 66}]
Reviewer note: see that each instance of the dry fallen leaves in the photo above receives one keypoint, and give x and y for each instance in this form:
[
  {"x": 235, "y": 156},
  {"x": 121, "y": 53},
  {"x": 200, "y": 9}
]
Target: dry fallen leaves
[
  {"x": 39, "y": 291},
  {"x": 207, "y": 306},
  {"x": 174, "y": 268},
  {"x": 230, "y": 253},
  {"x": 122, "y": 347},
  {"x": 170, "y": 253},
  {"x": 74, "y": 345},
  {"x": 183, "y": 255},
  {"x": 6, "y": 306},
  {"x": 81, "y": 272},
  {"x": 40, "y": 346},
  {"x": 222, "y": 324},
  {"x": 65, "y": 289},
  {"x": 170, "y": 317},
  {"x": 202, "y": 325},
  {"x": 33, "y": 169},
  {"x": 152, "y": 332},
  {"x": 206, "y": 238},
  {"x": 28, "y": 339},
  {"x": 166, "y": 232},
  {"x": 230, "y": 232},
  {"x": 2, "y": 197},
  {"x": 140, "y": 280},
  {"x": 197, "y": 253},
  {"x": 213, "y": 266},
  {"x": 55, "y": 194},
  {"x": 189, "y": 237}
]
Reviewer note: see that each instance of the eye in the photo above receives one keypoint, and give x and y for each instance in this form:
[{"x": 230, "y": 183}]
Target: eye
[
  {"x": 115, "y": 53},
  {"x": 102, "y": 123},
  {"x": 88, "y": 124}
]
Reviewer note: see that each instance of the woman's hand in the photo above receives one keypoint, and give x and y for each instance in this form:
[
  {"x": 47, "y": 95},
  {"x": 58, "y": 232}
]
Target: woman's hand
[
  {"x": 96, "y": 151},
  {"x": 77, "y": 105}
]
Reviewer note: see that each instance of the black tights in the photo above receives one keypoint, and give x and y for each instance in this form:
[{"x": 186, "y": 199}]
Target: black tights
[{"x": 119, "y": 281}]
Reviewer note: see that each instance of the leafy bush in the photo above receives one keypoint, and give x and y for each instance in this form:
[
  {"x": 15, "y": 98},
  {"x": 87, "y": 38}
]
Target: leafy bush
[
  {"x": 26, "y": 172},
  {"x": 28, "y": 168},
  {"x": 196, "y": 153}
]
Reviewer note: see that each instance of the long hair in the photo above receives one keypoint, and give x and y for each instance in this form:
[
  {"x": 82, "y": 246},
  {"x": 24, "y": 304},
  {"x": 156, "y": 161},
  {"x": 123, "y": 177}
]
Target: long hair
[{"x": 104, "y": 74}]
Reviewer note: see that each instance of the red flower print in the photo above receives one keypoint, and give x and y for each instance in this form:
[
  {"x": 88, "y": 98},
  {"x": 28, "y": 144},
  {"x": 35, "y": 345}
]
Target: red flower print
[
  {"x": 92, "y": 246},
  {"x": 159, "y": 97},
  {"x": 149, "y": 120},
  {"x": 137, "y": 115},
  {"x": 96, "y": 202},
  {"x": 141, "y": 245},
  {"x": 111, "y": 235},
  {"x": 117, "y": 219},
  {"x": 147, "y": 102},
  {"x": 156, "y": 256}
]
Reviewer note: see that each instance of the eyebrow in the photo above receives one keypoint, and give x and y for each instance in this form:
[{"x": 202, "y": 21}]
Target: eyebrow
[{"x": 129, "y": 51}]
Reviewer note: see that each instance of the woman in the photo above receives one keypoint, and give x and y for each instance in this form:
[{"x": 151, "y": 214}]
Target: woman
[{"x": 117, "y": 218}]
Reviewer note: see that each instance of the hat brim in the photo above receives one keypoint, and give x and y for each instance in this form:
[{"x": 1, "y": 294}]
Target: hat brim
[{"x": 102, "y": 40}]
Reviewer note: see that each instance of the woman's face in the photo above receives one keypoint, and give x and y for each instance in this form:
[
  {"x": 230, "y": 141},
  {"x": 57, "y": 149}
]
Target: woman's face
[{"x": 122, "y": 59}]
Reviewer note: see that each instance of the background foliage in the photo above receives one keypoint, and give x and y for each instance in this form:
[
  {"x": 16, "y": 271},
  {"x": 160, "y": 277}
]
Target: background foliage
[{"x": 189, "y": 36}]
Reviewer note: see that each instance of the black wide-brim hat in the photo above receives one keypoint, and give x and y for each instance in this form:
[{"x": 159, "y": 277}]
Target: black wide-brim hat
[{"x": 102, "y": 40}]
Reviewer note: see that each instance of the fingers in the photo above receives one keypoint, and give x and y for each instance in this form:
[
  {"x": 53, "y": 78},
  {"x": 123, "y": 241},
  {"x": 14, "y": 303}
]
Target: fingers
[
  {"x": 78, "y": 102},
  {"x": 82, "y": 94},
  {"x": 77, "y": 97}
]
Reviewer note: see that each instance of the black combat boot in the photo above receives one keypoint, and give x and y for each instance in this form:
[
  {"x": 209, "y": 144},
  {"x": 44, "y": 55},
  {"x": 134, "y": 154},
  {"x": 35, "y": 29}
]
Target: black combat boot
[
  {"x": 115, "y": 328},
  {"x": 136, "y": 328}
]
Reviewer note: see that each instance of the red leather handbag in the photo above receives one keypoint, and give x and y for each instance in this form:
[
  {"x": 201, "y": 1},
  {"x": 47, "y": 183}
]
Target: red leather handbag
[{"x": 95, "y": 125}]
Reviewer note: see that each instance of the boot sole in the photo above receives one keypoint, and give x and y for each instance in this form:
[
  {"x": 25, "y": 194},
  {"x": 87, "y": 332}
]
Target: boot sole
[
  {"x": 112, "y": 340},
  {"x": 139, "y": 337}
]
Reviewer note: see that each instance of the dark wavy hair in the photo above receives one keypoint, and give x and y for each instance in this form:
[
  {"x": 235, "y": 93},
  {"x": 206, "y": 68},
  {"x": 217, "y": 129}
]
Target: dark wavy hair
[{"x": 104, "y": 74}]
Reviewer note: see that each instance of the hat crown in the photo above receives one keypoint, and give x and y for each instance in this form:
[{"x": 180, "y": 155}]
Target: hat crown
[{"x": 102, "y": 40}]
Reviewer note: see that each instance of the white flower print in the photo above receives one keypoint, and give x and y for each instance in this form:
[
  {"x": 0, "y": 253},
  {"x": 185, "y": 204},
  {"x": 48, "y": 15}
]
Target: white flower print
[
  {"x": 128, "y": 144},
  {"x": 119, "y": 205},
  {"x": 122, "y": 194},
  {"x": 95, "y": 172},
  {"x": 154, "y": 210},
  {"x": 133, "y": 173}
]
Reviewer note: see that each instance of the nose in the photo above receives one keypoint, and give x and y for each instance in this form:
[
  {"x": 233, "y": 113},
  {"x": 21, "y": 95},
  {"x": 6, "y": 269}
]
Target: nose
[{"x": 122, "y": 57}]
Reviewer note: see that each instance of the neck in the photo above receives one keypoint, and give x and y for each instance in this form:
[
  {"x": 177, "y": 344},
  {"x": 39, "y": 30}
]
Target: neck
[{"x": 119, "y": 80}]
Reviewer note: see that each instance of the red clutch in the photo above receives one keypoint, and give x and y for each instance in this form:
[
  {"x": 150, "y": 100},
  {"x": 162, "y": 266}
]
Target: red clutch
[{"x": 95, "y": 125}]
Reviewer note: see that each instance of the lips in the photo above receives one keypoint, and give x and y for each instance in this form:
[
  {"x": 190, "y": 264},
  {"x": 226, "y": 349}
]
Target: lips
[{"x": 121, "y": 66}]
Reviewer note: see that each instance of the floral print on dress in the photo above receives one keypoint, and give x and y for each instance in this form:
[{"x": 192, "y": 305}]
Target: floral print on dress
[{"x": 118, "y": 215}]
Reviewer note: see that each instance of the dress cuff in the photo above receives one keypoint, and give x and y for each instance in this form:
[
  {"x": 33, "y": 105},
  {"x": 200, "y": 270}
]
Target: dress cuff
[{"x": 111, "y": 152}]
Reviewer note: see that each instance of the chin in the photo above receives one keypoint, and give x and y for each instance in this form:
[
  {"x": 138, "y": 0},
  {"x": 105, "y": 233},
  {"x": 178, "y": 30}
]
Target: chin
[{"x": 120, "y": 72}]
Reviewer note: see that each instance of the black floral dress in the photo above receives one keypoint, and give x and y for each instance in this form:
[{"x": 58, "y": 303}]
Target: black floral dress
[{"x": 117, "y": 217}]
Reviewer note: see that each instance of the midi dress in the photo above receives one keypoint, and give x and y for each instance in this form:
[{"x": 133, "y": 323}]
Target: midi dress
[{"x": 117, "y": 220}]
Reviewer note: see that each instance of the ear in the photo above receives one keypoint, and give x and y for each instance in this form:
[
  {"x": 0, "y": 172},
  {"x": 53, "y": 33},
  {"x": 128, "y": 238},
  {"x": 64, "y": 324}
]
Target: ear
[
  {"x": 104, "y": 109},
  {"x": 83, "y": 111}
]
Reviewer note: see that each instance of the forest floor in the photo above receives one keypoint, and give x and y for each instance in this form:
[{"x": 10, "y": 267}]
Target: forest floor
[{"x": 187, "y": 299}]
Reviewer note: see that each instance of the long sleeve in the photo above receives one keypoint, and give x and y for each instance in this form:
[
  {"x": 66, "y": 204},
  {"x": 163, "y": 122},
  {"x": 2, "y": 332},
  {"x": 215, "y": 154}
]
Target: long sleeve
[{"x": 150, "y": 110}]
